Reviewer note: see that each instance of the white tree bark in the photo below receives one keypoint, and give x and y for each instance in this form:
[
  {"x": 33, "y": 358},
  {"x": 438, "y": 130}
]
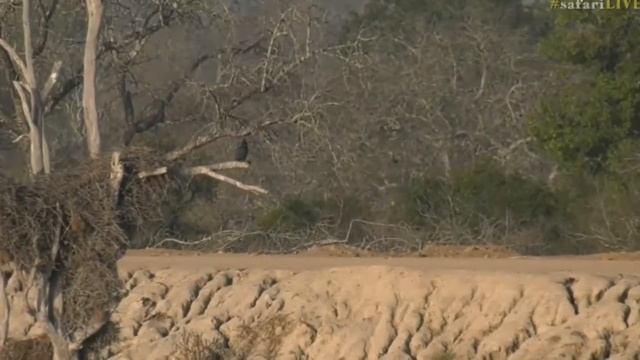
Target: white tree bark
[
  {"x": 94, "y": 19},
  {"x": 6, "y": 309},
  {"x": 34, "y": 120},
  {"x": 31, "y": 98},
  {"x": 40, "y": 161}
]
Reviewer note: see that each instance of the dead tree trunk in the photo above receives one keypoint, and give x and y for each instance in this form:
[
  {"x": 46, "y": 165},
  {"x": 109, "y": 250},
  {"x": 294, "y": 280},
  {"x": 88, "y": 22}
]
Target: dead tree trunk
[
  {"x": 94, "y": 19},
  {"x": 39, "y": 155},
  {"x": 6, "y": 308},
  {"x": 32, "y": 97}
]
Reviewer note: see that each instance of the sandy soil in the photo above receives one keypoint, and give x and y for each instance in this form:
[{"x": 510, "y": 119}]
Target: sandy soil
[
  {"x": 600, "y": 264},
  {"x": 315, "y": 306},
  {"x": 388, "y": 308}
]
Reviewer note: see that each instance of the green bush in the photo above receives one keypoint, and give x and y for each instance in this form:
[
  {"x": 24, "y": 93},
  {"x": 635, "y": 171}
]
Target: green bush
[
  {"x": 490, "y": 192},
  {"x": 297, "y": 213},
  {"x": 291, "y": 215},
  {"x": 482, "y": 194}
]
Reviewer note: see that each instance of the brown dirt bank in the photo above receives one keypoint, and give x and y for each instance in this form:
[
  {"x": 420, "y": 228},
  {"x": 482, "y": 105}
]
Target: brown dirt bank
[
  {"x": 371, "y": 307},
  {"x": 323, "y": 307}
]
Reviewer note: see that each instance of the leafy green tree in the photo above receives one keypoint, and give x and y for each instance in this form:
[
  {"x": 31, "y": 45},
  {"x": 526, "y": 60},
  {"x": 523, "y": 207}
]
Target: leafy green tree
[{"x": 583, "y": 123}]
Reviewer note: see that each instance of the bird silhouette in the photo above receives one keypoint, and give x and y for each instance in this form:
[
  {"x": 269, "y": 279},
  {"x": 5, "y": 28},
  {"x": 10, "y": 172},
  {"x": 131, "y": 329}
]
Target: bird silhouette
[{"x": 242, "y": 151}]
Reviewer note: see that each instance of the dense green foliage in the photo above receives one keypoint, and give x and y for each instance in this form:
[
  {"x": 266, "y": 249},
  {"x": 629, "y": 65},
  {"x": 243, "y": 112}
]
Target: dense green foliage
[{"x": 583, "y": 123}]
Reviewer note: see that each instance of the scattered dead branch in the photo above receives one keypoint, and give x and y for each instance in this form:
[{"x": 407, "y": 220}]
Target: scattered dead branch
[
  {"x": 210, "y": 171},
  {"x": 205, "y": 170}
]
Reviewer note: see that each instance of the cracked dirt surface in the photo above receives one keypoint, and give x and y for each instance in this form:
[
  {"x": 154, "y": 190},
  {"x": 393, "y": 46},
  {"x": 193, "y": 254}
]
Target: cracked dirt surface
[{"x": 378, "y": 308}]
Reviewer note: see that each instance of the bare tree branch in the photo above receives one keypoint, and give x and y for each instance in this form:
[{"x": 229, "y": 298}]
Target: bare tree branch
[
  {"x": 15, "y": 58},
  {"x": 12, "y": 74},
  {"x": 51, "y": 80},
  {"x": 204, "y": 170},
  {"x": 24, "y": 101},
  {"x": 227, "y": 165},
  {"x": 158, "y": 115},
  {"x": 65, "y": 89},
  {"x": 29, "y": 75},
  {"x": 30, "y": 95},
  {"x": 135, "y": 37},
  {"x": 46, "y": 15},
  {"x": 210, "y": 170},
  {"x": 207, "y": 138},
  {"x": 127, "y": 102},
  {"x": 156, "y": 172},
  {"x": 38, "y": 154},
  {"x": 202, "y": 140},
  {"x": 117, "y": 174}
]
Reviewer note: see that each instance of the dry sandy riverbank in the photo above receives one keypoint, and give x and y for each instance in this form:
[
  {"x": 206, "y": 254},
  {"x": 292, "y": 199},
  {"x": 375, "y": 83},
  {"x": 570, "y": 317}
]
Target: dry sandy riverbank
[
  {"x": 391, "y": 308},
  {"x": 327, "y": 307}
]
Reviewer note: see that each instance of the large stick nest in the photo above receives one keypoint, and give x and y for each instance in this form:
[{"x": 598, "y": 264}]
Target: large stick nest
[{"x": 78, "y": 209}]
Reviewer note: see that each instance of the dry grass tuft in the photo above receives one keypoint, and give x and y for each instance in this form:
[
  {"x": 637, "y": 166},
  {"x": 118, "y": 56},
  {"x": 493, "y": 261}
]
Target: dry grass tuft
[
  {"x": 194, "y": 346},
  {"x": 29, "y": 349},
  {"x": 264, "y": 338},
  {"x": 259, "y": 340}
]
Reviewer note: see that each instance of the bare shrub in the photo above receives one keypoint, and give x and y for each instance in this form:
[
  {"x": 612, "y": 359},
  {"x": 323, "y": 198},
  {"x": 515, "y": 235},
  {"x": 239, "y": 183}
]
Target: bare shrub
[
  {"x": 63, "y": 237},
  {"x": 445, "y": 355},
  {"x": 264, "y": 338},
  {"x": 194, "y": 346},
  {"x": 28, "y": 349}
]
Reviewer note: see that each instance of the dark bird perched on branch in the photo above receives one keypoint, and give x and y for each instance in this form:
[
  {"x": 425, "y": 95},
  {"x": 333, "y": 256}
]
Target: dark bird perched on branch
[{"x": 242, "y": 151}]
